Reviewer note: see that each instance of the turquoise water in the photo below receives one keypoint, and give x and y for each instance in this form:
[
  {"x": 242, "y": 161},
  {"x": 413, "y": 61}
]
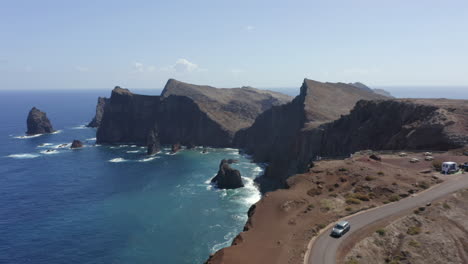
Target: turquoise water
[{"x": 108, "y": 204}]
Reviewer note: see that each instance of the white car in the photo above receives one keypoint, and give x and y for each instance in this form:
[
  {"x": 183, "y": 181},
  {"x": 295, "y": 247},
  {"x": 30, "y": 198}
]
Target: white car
[{"x": 340, "y": 229}]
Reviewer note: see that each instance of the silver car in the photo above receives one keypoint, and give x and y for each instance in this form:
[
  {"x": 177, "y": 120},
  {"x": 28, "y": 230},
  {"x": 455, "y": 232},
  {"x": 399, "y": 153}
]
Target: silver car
[{"x": 340, "y": 229}]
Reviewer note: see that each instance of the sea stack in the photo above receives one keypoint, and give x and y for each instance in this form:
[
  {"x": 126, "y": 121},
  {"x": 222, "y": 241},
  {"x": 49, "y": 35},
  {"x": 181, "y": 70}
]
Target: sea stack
[
  {"x": 76, "y": 144},
  {"x": 175, "y": 148},
  {"x": 100, "y": 107},
  {"x": 227, "y": 177},
  {"x": 153, "y": 142},
  {"x": 38, "y": 123}
]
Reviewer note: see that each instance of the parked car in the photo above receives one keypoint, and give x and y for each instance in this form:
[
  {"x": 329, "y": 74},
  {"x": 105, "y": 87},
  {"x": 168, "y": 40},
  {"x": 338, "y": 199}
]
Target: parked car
[
  {"x": 340, "y": 229},
  {"x": 449, "y": 167},
  {"x": 464, "y": 166}
]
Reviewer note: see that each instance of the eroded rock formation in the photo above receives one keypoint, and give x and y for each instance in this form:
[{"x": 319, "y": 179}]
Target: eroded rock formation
[
  {"x": 101, "y": 105},
  {"x": 38, "y": 123},
  {"x": 184, "y": 113},
  {"x": 76, "y": 144},
  {"x": 227, "y": 177}
]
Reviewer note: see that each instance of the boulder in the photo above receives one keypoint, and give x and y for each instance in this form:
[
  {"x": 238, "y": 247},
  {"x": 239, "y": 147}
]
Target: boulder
[
  {"x": 76, "y": 144},
  {"x": 227, "y": 177},
  {"x": 375, "y": 157},
  {"x": 175, "y": 148},
  {"x": 38, "y": 123}
]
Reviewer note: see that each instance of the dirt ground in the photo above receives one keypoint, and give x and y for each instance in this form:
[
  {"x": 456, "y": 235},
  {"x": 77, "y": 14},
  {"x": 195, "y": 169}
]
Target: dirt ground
[
  {"x": 282, "y": 223},
  {"x": 432, "y": 234}
]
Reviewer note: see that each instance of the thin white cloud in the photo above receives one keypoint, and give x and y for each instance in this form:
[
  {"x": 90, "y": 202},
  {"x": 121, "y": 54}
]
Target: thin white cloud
[
  {"x": 82, "y": 69},
  {"x": 249, "y": 28},
  {"x": 183, "y": 65},
  {"x": 138, "y": 66},
  {"x": 236, "y": 71}
]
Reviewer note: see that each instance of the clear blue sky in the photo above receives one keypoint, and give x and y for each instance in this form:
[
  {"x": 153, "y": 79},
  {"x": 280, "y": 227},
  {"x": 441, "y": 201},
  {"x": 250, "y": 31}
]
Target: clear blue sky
[{"x": 140, "y": 44}]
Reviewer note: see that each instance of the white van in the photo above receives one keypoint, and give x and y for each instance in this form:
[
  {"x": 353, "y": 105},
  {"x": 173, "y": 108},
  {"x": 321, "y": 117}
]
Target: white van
[{"x": 449, "y": 167}]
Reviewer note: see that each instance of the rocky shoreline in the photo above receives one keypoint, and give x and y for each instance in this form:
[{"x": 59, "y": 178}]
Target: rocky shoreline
[{"x": 325, "y": 120}]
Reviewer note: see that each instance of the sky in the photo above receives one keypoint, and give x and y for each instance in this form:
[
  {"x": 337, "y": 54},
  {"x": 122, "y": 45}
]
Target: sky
[{"x": 99, "y": 44}]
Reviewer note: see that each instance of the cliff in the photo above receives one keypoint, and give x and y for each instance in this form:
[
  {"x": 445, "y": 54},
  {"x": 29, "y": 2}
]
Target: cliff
[
  {"x": 101, "y": 104},
  {"x": 275, "y": 134},
  {"x": 184, "y": 113},
  {"x": 38, "y": 123}
]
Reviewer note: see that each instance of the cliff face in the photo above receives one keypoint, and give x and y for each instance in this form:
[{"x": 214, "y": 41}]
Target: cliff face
[
  {"x": 275, "y": 135},
  {"x": 129, "y": 118},
  {"x": 38, "y": 123},
  {"x": 101, "y": 104},
  {"x": 184, "y": 113},
  {"x": 398, "y": 124}
]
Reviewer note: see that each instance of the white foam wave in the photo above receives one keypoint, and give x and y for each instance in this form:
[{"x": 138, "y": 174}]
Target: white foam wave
[
  {"x": 63, "y": 145},
  {"x": 148, "y": 159},
  {"x": 229, "y": 237},
  {"x": 26, "y": 137},
  {"x": 133, "y": 151},
  {"x": 91, "y": 139},
  {"x": 45, "y": 145},
  {"x": 117, "y": 160},
  {"x": 50, "y": 151},
  {"x": 23, "y": 156},
  {"x": 57, "y": 132},
  {"x": 254, "y": 194},
  {"x": 80, "y": 127}
]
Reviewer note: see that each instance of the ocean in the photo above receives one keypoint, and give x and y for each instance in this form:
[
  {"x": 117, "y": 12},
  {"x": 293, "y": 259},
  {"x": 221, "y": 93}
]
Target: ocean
[{"x": 108, "y": 204}]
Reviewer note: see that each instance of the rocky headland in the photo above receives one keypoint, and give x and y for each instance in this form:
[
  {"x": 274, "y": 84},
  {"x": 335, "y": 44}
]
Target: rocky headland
[
  {"x": 184, "y": 113},
  {"x": 325, "y": 121},
  {"x": 38, "y": 123}
]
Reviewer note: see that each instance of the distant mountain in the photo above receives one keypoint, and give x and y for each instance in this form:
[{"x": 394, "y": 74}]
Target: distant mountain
[{"x": 367, "y": 88}]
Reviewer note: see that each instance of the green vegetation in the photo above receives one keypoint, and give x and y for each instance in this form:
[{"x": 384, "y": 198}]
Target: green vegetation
[
  {"x": 394, "y": 198},
  {"x": 348, "y": 209},
  {"x": 414, "y": 243},
  {"x": 313, "y": 192},
  {"x": 352, "y": 261},
  {"x": 369, "y": 178},
  {"x": 361, "y": 196},
  {"x": 381, "y": 173},
  {"x": 380, "y": 231},
  {"x": 321, "y": 226},
  {"x": 334, "y": 195},
  {"x": 424, "y": 185},
  {"x": 342, "y": 169},
  {"x": 446, "y": 206},
  {"x": 437, "y": 165},
  {"x": 414, "y": 230},
  {"x": 352, "y": 201},
  {"x": 326, "y": 204}
]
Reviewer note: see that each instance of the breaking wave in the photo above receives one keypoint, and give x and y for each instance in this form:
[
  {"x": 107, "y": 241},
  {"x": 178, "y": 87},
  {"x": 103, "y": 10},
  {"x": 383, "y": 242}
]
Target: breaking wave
[
  {"x": 23, "y": 156},
  {"x": 118, "y": 160}
]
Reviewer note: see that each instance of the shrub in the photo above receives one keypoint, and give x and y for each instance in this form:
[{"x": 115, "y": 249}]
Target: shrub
[
  {"x": 321, "y": 226},
  {"x": 414, "y": 243},
  {"x": 313, "y": 192},
  {"x": 381, "y": 173},
  {"x": 416, "y": 211},
  {"x": 348, "y": 209},
  {"x": 352, "y": 261},
  {"x": 342, "y": 169},
  {"x": 437, "y": 165},
  {"x": 361, "y": 196},
  {"x": 334, "y": 195},
  {"x": 352, "y": 201},
  {"x": 422, "y": 208},
  {"x": 423, "y": 185},
  {"x": 446, "y": 206},
  {"x": 414, "y": 230},
  {"x": 380, "y": 231},
  {"x": 369, "y": 178},
  {"x": 394, "y": 198}
]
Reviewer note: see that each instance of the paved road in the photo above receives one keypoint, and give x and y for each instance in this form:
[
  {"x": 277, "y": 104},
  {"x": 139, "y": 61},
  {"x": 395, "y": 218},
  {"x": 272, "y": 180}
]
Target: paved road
[{"x": 324, "y": 248}]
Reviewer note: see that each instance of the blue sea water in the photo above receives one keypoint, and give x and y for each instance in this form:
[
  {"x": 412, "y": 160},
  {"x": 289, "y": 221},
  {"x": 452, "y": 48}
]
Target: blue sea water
[{"x": 108, "y": 204}]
